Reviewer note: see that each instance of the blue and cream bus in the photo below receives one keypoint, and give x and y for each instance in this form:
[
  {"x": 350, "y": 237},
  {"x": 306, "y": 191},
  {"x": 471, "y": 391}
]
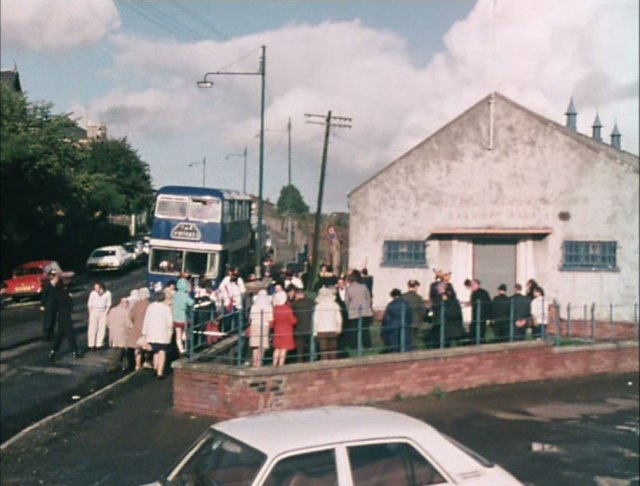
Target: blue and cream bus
[{"x": 199, "y": 231}]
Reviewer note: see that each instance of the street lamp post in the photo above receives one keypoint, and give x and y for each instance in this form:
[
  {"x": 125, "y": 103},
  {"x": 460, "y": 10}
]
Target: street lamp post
[
  {"x": 262, "y": 71},
  {"x": 203, "y": 163},
  {"x": 244, "y": 176}
]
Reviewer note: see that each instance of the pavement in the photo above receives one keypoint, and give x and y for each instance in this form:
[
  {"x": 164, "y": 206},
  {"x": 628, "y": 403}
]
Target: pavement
[{"x": 571, "y": 432}]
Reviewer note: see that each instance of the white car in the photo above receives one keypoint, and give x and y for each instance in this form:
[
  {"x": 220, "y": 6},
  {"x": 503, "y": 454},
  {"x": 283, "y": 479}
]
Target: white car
[
  {"x": 112, "y": 258},
  {"x": 333, "y": 446},
  {"x": 135, "y": 249}
]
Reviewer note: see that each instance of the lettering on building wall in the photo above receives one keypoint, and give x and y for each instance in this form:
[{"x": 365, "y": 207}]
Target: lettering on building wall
[{"x": 496, "y": 215}]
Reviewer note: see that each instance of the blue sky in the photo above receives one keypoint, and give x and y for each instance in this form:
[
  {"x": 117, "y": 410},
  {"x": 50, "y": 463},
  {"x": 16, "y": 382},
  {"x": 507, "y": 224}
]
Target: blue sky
[{"x": 401, "y": 69}]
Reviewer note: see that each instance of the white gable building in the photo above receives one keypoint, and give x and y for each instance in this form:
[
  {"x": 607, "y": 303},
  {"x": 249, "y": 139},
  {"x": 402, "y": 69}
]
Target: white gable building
[{"x": 503, "y": 194}]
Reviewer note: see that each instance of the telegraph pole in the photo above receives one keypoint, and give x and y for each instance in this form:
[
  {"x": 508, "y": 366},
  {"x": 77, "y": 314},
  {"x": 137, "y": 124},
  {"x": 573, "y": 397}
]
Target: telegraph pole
[
  {"x": 289, "y": 220},
  {"x": 204, "y": 171},
  {"x": 289, "y": 130},
  {"x": 328, "y": 124}
]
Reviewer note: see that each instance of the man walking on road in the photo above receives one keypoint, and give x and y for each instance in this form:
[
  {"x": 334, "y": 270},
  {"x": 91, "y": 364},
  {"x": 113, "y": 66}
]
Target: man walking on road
[
  {"x": 49, "y": 305},
  {"x": 64, "y": 305}
]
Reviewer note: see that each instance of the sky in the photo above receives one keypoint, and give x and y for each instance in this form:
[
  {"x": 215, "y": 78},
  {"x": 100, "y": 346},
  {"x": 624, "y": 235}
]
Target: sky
[{"x": 400, "y": 69}]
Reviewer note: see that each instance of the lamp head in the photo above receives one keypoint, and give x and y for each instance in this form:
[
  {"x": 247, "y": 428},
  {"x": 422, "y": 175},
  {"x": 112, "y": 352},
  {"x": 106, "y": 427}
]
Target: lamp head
[{"x": 205, "y": 84}]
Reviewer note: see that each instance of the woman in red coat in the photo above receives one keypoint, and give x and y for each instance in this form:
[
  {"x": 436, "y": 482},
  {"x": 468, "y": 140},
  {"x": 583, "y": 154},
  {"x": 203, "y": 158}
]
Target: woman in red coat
[{"x": 283, "y": 322}]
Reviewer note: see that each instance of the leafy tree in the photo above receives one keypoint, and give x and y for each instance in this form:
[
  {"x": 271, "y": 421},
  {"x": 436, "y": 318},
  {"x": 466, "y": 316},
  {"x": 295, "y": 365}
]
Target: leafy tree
[
  {"x": 55, "y": 188},
  {"x": 291, "y": 202},
  {"x": 120, "y": 165}
]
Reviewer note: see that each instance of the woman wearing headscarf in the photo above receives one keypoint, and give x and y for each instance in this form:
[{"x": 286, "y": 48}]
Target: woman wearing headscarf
[
  {"x": 284, "y": 321},
  {"x": 327, "y": 322},
  {"x": 181, "y": 302},
  {"x": 260, "y": 321},
  {"x": 119, "y": 323},
  {"x": 134, "y": 297}
]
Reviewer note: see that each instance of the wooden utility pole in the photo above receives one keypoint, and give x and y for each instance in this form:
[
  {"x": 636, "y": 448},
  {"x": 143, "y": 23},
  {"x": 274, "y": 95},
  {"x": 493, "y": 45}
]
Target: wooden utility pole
[
  {"x": 289, "y": 152},
  {"x": 328, "y": 123}
]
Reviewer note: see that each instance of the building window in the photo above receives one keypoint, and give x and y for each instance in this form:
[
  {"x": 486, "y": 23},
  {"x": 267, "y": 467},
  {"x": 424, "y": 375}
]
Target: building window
[
  {"x": 405, "y": 254},
  {"x": 589, "y": 255}
]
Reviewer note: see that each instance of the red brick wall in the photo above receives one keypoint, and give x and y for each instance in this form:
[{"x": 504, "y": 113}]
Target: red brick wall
[
  {"x": 600, "y": 329},
  {"x": 224, "y": 392}
]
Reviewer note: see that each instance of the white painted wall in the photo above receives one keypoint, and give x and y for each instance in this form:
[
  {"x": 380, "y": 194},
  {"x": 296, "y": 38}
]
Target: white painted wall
[{"x": 536, "y": 170}]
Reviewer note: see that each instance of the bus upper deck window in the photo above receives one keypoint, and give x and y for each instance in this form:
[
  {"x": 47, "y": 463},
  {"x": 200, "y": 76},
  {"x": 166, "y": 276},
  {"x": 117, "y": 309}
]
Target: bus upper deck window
[
  {"x": 171, "y": 207},
  {"x": 205, "y": 209}
]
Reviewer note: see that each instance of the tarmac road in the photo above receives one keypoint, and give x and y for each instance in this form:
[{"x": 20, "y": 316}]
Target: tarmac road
[
  {"x": 587, "y": 431},
  {"x": 32, "y": 386}
]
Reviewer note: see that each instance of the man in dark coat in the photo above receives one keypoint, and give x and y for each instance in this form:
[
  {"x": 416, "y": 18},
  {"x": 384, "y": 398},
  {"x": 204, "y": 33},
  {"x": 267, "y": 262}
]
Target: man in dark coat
[
  {"x": 49, "y": 305},
  {"x": 396, "y": 324},
  {"x": 345, "y": 335},
  {"x": 501, "y": 313},
  {"x": 521, "y": 313},
  {"x": 418, "y": 310},
  {"x": 64, "y": 305},
  {"x": 480, "y": 312},
  {"x": 303, "y": 310},
  {"x": 447, "y": 313}
]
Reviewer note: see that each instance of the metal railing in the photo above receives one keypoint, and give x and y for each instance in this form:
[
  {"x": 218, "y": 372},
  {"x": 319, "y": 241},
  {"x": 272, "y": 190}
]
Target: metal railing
[{"x": 225, "y": 336}]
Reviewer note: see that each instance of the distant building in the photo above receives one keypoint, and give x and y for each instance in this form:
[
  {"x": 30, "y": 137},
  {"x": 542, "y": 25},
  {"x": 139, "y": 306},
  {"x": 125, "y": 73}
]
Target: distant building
[
  {"x": 96, "y": 132},
  {"x": 12, "y": 78},
  {"x": 503, "y": 194}
]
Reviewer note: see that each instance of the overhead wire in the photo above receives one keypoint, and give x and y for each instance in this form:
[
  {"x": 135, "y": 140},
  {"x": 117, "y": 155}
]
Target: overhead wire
[
  {"x": 168, "y": 20},
  {"x": 163, "y": 25},
  {"x": 207, "y": 25}
]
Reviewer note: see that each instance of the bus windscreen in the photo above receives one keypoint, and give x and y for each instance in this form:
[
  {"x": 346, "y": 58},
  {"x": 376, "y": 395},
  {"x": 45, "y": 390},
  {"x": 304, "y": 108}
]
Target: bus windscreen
[{"x": 171, "y": 207}]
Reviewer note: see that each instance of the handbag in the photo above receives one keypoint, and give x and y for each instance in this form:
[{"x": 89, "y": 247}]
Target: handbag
[
  {"x": 228, "y": 308},
  {"x": 142, "y": 343},
  {"x": 213, "y": 326}
]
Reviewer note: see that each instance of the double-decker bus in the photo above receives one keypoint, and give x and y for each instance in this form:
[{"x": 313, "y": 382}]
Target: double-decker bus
[{"x": 199, "y": 231}]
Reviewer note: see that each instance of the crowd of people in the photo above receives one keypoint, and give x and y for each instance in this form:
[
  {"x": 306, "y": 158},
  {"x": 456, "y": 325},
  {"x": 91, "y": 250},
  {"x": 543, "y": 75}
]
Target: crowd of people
[
  {"x": 509, "y": 316},
  {"x": 283, "y": 322},
  {"x": 139, "y": 329}
]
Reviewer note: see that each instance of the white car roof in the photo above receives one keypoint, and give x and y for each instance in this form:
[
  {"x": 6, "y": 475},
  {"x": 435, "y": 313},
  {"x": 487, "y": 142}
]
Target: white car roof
[{"x": 278, "y": 432}]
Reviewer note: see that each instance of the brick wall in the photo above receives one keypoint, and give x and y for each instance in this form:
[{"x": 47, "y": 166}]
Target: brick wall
[
  {"x": 599, "y": 330},
  {"x": 223, "y": 391}
]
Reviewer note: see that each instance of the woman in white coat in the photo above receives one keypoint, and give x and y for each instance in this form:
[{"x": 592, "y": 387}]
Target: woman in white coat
[
  {"x": 327, "y": 322},
  {"x": 260, "y": 320},
  {"x": 158, "y": 331}
]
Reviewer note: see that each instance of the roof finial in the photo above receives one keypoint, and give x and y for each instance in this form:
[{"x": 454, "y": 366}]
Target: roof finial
[
  {"x": 596, "y": 128},
  {"x": 572, "y": 116},
  {"x": 615, "y": 136}
]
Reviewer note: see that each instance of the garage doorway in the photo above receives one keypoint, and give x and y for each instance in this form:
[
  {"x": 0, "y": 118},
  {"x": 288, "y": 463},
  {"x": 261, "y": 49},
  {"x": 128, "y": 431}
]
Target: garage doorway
[{"x": 494, "y": 263}]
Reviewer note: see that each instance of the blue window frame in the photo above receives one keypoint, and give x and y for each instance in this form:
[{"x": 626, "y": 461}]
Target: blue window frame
[
  {"x": 589, "y": 255},
  {"x": 405, "y": 254}
]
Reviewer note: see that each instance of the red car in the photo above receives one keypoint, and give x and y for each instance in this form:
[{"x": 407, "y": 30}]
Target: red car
[{"x": 29, "y": 278}]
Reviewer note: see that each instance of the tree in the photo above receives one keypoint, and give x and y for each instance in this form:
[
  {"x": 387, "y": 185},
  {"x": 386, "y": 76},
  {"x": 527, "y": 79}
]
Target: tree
[
  {"x": 120, "y": 166},
  {"x": 55, "y": 188},
  {"x": 291, "y": 202}
]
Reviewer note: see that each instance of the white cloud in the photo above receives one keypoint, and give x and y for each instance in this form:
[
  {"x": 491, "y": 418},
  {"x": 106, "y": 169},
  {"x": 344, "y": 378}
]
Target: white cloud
[
  {"x": 55, "y": 25},
  {"x": 545, "y": 51}
]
